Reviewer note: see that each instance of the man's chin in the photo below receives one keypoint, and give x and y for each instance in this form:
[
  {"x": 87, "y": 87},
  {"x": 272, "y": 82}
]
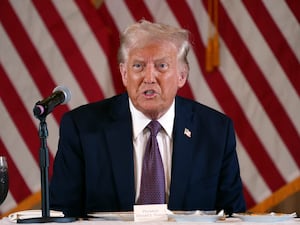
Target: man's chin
[{"x": 151, "y": 112}]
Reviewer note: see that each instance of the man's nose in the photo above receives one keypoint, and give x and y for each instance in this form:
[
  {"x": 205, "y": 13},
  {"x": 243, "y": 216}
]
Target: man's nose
[{"x": 150, "y": 74}]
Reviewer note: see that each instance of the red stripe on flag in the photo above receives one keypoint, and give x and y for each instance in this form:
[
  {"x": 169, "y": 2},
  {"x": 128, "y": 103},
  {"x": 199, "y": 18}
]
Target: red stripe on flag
[
  {"x": 244, "y": 130},
  {"x": 69, "y": 49},
  {"x": 250, "y": 201},
  {"x": 101, "y": 32},
  {"x": 139, "y": 10},
  {"x": 260, "y": 86},
  {"x": 276, "y": 41},
  {"x": 229, "y": 104},
  {"x": 112, "y": 57},
  {"x": 106, "y": 38},
  {"x": 19, "y": 114},
  {"x": 15, "y": 178},
  {"x": 294, "y": 5},
  {"x": 27, "y": 51}
]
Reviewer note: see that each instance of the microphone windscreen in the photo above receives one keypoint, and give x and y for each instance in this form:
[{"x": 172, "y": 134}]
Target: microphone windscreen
[{"x": 66, "y": 91}]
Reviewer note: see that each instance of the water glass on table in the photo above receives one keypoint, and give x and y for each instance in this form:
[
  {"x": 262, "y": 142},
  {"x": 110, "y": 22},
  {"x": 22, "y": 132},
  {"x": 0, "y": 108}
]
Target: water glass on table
[{"x": 3, "y": 179}]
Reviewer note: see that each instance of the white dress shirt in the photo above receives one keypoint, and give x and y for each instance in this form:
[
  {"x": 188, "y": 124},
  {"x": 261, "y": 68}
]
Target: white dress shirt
[{"x": 165, "y": 143}]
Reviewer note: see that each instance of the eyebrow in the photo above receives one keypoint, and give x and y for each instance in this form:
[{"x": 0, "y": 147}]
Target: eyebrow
[{"x": 166, "y": 58}]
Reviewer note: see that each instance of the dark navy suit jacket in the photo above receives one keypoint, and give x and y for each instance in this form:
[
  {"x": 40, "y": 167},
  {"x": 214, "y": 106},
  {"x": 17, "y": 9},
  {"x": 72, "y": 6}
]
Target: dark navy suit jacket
[{"x": 94, "y": 167}]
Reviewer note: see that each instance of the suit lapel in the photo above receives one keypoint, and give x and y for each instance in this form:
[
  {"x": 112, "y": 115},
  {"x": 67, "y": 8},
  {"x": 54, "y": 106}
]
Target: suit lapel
[
  {"x": 182, "y": 153},
  {"x": 119, "y": 139}
]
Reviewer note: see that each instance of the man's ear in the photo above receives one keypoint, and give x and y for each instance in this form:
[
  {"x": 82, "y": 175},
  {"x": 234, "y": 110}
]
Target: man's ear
[
  {"x": 183, "y": 75},
  {"x": 122, "y": 68}
]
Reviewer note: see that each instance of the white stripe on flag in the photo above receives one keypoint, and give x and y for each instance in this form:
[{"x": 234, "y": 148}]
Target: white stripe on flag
[
  {"x": 264, "y": 57},
  {"x": 257, "y": 116},
  {"x": 18, "y": 72},
  {"x": 253, "y": 181},
  {"x": 119, "y": 11},
  {"x": 87, "y": 44},
  {"x": 286, "y": 22},
  {"x": 18, "y": 152},
  {"x": 54, "y": 61}
]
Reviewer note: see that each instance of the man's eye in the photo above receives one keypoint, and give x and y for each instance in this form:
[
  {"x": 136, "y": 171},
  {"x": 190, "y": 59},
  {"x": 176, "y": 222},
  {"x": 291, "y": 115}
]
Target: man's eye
[
  {"x": 163, "y": 66},
  {"x": 137, "y": 66}
]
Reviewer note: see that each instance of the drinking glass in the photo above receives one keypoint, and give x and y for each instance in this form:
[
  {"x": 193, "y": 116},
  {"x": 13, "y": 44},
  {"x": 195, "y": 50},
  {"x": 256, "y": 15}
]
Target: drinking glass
[{"x": 3, "y": 179}]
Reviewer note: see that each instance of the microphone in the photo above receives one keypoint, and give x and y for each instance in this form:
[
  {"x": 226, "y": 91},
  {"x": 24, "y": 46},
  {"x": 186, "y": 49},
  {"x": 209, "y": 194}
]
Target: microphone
[{"x": 60, "y": 95}]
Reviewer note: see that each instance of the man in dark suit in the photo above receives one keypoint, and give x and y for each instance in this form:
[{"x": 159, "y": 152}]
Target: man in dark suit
[{"x": 99, "y": 162}]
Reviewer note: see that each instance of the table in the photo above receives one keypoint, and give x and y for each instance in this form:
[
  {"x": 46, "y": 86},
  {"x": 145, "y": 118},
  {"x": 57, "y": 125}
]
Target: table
[{"x": 233, "y": 221}]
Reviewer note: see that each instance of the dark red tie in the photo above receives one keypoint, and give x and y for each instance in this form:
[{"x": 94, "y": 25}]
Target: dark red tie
[{"x": 153, "y": 176}]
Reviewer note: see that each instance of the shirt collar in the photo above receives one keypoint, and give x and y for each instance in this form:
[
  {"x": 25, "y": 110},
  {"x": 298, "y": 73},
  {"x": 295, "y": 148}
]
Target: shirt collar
[{"x": 140, "y": 121}]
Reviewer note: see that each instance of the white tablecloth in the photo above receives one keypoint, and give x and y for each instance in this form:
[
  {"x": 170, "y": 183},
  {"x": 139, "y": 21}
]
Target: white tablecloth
[{"x": 233, "y": 221}]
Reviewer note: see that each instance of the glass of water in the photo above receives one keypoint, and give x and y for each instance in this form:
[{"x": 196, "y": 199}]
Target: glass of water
[{"x": 3, "y": 179}]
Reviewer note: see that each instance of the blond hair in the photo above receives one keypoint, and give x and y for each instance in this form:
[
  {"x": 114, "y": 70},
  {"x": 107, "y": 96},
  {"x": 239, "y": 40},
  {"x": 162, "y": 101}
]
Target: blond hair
[{"x": 146, "y": 31}]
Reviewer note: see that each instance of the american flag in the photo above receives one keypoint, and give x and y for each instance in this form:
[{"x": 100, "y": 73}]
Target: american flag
[{"x": 74, "y": 43}]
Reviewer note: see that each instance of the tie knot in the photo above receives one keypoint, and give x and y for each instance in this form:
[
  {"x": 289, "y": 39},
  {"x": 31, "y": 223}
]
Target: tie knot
[{"x": 154, "y": 127}]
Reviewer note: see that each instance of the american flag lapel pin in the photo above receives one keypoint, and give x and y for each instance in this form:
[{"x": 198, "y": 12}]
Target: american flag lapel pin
[{"x": 187, "y": 132}]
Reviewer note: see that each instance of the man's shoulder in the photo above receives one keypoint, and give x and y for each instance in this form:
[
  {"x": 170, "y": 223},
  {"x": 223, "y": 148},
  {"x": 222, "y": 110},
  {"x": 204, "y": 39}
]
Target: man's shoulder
[
  {"x": 198, "y": 108},
  {"x": 102, "y": 107},
  {"x": 102, "y": 104}
]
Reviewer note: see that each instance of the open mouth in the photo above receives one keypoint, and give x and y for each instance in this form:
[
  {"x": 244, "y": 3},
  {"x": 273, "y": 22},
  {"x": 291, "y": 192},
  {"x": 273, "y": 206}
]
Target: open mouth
[{"x": 149, "y": 92}]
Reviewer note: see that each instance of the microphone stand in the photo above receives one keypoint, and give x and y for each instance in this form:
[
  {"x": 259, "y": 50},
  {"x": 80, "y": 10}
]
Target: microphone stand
[{"x": 44, "y": 165}]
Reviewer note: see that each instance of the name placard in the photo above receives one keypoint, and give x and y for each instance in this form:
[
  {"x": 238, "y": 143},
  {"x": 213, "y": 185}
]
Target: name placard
[{"x": 152, "y": 212}]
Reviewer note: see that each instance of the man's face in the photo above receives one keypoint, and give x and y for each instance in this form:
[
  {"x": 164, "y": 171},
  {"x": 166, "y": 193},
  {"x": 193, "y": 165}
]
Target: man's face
[{"x": 152, "y": 75}]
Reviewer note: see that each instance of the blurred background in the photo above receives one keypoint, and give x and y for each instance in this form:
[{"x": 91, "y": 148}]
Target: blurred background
[{"x": 245, "y": 62}]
